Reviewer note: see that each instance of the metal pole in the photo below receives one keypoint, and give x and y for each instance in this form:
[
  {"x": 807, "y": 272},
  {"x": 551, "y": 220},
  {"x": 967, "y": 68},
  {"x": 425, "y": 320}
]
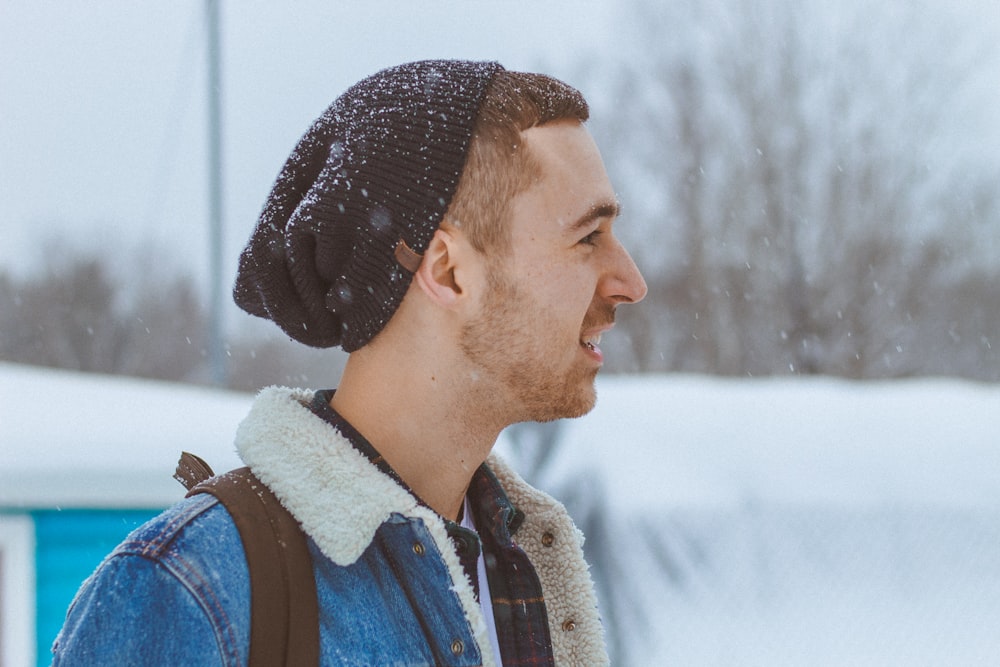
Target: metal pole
[{"x": 216, "y": 353}]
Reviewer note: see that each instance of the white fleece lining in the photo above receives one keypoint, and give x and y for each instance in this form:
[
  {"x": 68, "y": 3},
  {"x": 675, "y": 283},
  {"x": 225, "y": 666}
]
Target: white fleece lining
[
  {"x": 561, "y": 568},
  {"x": 341, "y": 499}
]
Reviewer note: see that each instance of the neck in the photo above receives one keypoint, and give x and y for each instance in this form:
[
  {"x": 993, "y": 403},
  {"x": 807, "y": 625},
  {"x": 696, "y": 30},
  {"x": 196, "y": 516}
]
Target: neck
[{"x": 428, "y": 424}]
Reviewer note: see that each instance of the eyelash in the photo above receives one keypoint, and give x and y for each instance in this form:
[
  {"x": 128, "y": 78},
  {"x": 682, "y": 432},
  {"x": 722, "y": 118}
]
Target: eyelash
[{"x": 591, "y": 238}]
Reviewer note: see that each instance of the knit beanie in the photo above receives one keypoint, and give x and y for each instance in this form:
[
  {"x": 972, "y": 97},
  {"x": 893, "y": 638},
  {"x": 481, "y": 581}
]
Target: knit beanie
[{"x": 358, "y": 201}]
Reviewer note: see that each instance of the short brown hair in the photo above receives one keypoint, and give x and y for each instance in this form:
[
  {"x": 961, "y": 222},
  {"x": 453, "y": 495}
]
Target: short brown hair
[{"x": 498, "y": 166}]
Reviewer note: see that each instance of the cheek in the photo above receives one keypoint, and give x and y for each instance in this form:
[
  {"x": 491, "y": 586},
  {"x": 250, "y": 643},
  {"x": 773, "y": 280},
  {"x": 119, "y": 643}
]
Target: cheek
[
  {"x": 558, "y": 290},
  {"x": 571, "y": 289},
  {"x": 564, "y": 305}
]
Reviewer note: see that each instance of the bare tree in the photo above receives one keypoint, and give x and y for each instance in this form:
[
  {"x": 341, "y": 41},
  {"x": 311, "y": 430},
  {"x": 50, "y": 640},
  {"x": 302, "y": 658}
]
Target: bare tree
[
  {"x": 77, "y": 314},
  {"x": 260, "y": 355},
  {"x": 87, "y": 312},
  {"x": 795, "y": 173}
]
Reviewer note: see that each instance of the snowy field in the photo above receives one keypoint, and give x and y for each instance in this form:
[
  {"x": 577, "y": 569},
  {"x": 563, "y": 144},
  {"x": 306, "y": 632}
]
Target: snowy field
[
  {"x": 807, "y": 522},
  {"x": 730, "y": 522},
  {"x": 703, "y": 441},
  {"x": 81, "y": 440}
]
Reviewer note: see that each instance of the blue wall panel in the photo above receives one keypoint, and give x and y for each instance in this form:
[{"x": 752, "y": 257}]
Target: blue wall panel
[{"x": 69, "y": 545}]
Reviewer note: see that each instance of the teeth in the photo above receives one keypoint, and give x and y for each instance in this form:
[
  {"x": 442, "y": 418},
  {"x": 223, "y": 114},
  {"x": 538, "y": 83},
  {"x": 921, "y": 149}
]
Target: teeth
[{"x": 592, "y": 341}]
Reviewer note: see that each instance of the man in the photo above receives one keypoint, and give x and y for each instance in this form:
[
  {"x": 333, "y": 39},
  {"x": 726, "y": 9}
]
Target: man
[{"x": 450, "y": 225}]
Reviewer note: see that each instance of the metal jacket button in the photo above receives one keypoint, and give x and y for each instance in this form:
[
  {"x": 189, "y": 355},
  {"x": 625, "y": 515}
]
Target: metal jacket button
[
  {"x": 548, "y": 539},
  {"x": 457, "y": 647}
]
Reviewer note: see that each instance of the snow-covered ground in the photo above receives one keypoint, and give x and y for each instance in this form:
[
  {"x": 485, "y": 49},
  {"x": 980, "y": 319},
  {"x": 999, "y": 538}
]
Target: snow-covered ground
[
  {"x": 81, "y": 440},
  {"x": 806, "y": 521},
  {"x": 706, "y": 441},
  {"x": 730, "y": 522}
]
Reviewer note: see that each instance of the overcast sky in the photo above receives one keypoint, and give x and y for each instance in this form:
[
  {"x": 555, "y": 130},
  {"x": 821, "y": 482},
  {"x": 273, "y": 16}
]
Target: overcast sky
[{"x": 102, "y": 104}]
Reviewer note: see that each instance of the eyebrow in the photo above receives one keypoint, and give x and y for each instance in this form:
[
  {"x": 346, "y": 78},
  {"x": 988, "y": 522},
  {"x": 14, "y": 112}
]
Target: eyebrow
[{"x": 608, "y": 209}]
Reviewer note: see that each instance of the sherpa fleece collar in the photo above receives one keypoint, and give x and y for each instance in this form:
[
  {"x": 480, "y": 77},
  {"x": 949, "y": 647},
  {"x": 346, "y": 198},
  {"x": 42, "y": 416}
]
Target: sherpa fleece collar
[
  {"x": 332, "y": 489},
  {"x": 341, "y": 499}
]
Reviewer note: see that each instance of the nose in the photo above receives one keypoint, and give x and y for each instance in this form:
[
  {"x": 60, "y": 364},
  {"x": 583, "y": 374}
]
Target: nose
[{"x": 623, "y": 283}]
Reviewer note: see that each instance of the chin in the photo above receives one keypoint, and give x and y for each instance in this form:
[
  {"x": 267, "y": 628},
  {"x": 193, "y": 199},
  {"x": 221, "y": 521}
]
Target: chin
[
  {"x": 568, "y": 405},
  {"x": 583, "y": 407}
]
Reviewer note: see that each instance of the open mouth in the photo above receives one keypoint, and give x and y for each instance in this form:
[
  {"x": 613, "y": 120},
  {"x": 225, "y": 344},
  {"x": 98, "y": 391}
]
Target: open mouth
[
  {"x": 591, "y": 342},
  {"x": 595, "y": 325}
]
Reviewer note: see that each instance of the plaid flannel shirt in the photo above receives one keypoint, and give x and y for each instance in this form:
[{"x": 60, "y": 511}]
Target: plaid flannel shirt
[{"x": 518, "y": 604}]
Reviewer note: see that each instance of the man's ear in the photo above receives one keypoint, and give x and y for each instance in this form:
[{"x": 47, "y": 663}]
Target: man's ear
[{"x": 436, "y": 273}]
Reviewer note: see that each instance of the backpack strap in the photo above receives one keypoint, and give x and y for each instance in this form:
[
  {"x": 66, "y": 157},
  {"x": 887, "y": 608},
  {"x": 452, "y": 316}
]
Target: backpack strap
[{"x": 284, "y": 618}]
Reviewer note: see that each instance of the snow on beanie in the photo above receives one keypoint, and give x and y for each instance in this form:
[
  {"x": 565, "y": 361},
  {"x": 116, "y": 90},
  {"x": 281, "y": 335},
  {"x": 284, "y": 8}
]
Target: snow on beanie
[{"x": 358, "y": 201}]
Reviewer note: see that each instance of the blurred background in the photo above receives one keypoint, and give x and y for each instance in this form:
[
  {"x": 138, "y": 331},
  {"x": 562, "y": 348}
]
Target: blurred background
[{"x": 810, "y": 188}]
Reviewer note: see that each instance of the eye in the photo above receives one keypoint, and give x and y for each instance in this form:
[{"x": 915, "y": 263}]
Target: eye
[{"x": 591, "y": 238}]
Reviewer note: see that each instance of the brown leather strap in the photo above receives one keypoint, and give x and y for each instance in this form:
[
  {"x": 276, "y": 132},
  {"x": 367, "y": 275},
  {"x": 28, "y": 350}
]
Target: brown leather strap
[
  {"x": 407, "y": 257},
  {"x": 284, "y": 619},
  {"x": 191, "y": 470}
]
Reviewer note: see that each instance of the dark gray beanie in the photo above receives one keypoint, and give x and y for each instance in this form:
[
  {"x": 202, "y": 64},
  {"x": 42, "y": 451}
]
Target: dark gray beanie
[{"x": 358, "y": 201}]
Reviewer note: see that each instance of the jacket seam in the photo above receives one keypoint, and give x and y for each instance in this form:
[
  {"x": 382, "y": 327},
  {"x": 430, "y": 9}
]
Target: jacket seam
[
  {"x": 199, "y": 588},
  {"x": 159, "y": 542},
  {"x": 156, "y": 549}
]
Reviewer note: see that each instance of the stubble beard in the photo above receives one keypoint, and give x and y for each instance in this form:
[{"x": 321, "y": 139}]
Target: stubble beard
[{"x": 521, "y": 383}]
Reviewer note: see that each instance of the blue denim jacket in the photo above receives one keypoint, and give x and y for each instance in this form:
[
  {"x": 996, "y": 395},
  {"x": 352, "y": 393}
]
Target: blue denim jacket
[
  {"x": 177, "y": 592},
  {"x": 390, "y": 587}
]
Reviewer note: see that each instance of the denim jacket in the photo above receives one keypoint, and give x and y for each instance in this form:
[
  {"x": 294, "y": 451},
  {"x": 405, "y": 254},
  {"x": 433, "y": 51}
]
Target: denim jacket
[{"x": 390, "y": 586}]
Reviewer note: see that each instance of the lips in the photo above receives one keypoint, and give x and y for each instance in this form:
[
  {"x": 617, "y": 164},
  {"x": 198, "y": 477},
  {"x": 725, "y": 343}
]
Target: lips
[
  {"x": 591, "y": 342},
  {"x": 598, "y": 321}
]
